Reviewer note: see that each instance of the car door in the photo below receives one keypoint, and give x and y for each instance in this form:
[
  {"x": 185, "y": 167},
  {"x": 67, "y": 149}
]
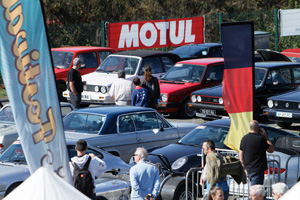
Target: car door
[
  {"x": 89, "y": 62},
  {"x": 213, "y": 76},
  {"x": 153, "y": 131}
]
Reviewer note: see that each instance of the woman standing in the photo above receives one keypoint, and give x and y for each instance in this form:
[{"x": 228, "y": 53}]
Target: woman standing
[{"x": 151, "y": 84}]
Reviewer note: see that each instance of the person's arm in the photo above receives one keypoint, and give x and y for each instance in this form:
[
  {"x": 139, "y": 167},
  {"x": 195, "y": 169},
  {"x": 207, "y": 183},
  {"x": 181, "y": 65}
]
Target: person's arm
[
  {"x": 242, "y": 159},
  {"x": 72, "y": 87},
  {"x": 271, "y": 147},
  {"x": 156, "y": 184},
  {"x": 133, "y": 96}
]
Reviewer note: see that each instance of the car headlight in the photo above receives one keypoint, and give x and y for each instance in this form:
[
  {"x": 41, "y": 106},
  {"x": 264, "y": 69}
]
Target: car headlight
[
  {"x": 96, "y": 89},
  {"x": 199, "y": 99},
  {"x": 299, "y": 105},
  {"x": 270, "y": 104},
  {"x": 164, "y": 97},
  {"x": 221, "y": 101},
  {"x": 179, "y": 162},
  {"x": 85, "y": 88},
  {"x": 103, "y": 89},
  {"x": 193, "y": 98}
]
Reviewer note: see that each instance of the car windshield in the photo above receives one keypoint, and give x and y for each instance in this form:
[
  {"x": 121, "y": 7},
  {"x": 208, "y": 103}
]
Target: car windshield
[
  {"x": 13, "y": 154},
  {"x": 260, "y": 74},
  {"x": 202, "y": 133},
  {"x": 184, "y": 73},
  {"x": 83, "y": 123},
  {"x": 113, "y": 64},
  {"x": 6, "y": 114},
  {"x": 62, "y": 59},
  {"x": 191, "y": 52}
]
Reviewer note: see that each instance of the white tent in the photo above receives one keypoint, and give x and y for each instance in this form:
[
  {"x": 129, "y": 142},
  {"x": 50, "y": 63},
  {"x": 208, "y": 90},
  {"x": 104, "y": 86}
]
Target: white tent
[
  {"x": 293, "y": 193},
  {"x": 44, "y": 184}
]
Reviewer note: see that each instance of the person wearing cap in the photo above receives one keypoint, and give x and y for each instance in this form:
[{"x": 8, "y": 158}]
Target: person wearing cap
[
  {"x": 121, "y": 90},
  {"x": 75, "y": 84}
]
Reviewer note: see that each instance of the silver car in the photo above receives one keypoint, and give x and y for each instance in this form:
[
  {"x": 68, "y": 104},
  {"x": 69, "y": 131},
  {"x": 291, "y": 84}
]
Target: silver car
[
  {"x": 113, "y": 184},
  {"x": 8, "y": 130}
]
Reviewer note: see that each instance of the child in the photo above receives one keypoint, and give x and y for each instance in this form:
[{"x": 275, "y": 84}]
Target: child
[{"x": 140, "y": 96}]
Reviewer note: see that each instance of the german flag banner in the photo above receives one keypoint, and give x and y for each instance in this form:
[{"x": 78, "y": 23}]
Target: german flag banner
[
  {"x": 26, "y": 68},
  {"x": 238, "y": 49}
]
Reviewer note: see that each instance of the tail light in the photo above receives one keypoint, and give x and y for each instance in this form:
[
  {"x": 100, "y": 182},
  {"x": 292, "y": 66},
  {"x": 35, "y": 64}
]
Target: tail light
[
  {"x": 1, "y": 146},
  {"x": 275, "y": 170}
]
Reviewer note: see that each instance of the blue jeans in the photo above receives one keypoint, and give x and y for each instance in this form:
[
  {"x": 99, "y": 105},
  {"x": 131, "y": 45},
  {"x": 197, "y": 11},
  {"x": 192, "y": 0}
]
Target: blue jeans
[
  {"x": 75, "y": 100},
  {"x": 257, "y": 178}
]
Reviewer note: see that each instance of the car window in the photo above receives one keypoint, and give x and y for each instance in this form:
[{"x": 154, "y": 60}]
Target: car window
[
  {"x": 296, "y": 72},
  {"x": 103, "y": 55},
  {"x": 6, "y": 114},
  {"x": 62, "y": 59},
  {"x": 115, "y": 63},
  {"x": 279, "y": 77},
  {"x": 214, "y": 74},
  {"x": 72, "y": 152},
  {"x": 126, "y": 124},
  {"x": 273, "y": 134},
  {"x": 216, "y": 52},
  {"x": 167, "y": 62},
  {"x": 13, "y": 154},
  {"x": 84, "y": 123},
  {"x": 155, "y": 64},
  {"x": 259, "y": 76},
  {"x": 147, "y": 121},
  {"x": 89, "y": 59}
]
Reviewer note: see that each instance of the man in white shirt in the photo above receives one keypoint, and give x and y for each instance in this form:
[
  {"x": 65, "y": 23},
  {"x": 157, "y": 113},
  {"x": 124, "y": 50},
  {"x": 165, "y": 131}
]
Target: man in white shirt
[{"x": 121, "y": 90}]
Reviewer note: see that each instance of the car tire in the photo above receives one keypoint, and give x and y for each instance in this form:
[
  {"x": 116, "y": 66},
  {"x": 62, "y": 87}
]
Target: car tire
[
  {"x": 60, "y": 89},
  {"x": 181, "y": 194},
  {"x": 11, "y": 188},
  {"x": 284, "y": 124},
  {"x": 186, "y": 111}
]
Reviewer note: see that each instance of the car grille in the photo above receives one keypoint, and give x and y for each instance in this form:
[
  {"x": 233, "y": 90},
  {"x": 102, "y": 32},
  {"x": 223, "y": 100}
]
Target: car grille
[
  {"x": 210, "y": 99},
  {"x": 291, "y": 105},
  {"x": 89, "y": 88}
]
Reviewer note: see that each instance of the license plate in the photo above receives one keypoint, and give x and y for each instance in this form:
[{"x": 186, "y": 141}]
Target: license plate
[
  {"x": 85, "y": 97},
  {"x": 284, "y": 114},
  {"x": 208, "y": 112}
]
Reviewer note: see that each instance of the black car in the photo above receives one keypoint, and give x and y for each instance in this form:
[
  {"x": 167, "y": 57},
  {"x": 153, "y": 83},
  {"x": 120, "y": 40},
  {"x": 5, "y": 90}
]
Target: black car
[
  {"x": 271, "y": 78},
  {"x": 193, "y": 51},
  {"x": 284, "y": 109}
]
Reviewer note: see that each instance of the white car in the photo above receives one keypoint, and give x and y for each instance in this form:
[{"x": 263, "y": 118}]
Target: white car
[{"x": 99, "y": 82}]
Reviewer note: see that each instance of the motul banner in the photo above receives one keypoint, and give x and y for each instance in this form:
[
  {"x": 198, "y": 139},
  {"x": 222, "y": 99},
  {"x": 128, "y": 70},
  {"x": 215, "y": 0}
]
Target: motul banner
[{"x": 156, "y": 33}]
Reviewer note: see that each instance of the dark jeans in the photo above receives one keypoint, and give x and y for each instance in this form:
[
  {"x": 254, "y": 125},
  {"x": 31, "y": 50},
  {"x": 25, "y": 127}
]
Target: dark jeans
[
  {"x": 257, "y": 178},
  {"x": 226, "y": 194},
  {"x": 75, "y": 100}
]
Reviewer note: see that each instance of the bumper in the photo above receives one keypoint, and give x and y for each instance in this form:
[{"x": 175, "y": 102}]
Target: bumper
[
  {"x": 283, "y": 115},
  {"x": 211, "y": 111},
  {"x": 168, "y": 107},
  {"x": 92, "y": 97}
]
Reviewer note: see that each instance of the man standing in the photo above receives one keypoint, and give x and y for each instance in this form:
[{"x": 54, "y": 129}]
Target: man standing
[
  {"x": 75, "y": 83},
  {"x": 253, "y": 153},
  {"x": 121, "y": 90},
  {"x": 213, "y": 168},
  {"x": 96, "y": 166},
  {"x": 144, "y": 177}
]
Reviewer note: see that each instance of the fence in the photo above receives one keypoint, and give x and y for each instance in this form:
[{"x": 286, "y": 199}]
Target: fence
[{"x": 241, "y": 191}]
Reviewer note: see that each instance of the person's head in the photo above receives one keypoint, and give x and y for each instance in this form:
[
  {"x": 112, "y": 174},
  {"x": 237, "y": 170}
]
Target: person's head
[
  {"x": 253, "y": 126},
  {"x": 147, "y": 73},
  {"x": 77, "y": 63},
  {"x": 279, "y": 189},
  {"x": 257, "y": 192},
  {"x": 121, "y": 74},
  {"x": 136, "y": 81},
  {"x": 81, "y": 146},
  {"x": 140, "y": 154},
  {"x": 208, "y": 146},
  {"x": 216, "y": 193}
]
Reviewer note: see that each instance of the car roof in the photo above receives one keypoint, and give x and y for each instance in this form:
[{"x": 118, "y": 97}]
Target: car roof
[
  {"x": 202, "y": 61},
  {"x": 275, "y": 64},
  {"x": 117, "y": 110},
  {"x": 147, "y": 53},
  {"x": 81, "y": 48},
  {"x": 204, "y": 45},
  {"x": 294, "y": 50}
]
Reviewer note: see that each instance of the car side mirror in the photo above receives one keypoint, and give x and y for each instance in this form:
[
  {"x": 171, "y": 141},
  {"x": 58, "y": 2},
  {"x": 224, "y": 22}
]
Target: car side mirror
[{"x": 162, "y": 129}]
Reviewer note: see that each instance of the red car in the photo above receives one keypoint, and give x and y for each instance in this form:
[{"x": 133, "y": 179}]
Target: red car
[
  {"x": 63, "y": 61},
  {"x": 292, "y": 54},
  {"x": 185, "y": 77}
]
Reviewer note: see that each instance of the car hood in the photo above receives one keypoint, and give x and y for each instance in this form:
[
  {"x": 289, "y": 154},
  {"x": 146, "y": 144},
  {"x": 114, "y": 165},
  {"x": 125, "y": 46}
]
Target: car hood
[
  {"x": 289, "y": 96},
  {"x": 7, "y": 128},
  {"x": 9, "y": 170},
  {"x": 77, "y": 136},
  {"x": 215, "y": 91},
  {"x": 169, "y": 152},
  {"x": 173, "y": 87},
  {"x": 99, "y": 78}
]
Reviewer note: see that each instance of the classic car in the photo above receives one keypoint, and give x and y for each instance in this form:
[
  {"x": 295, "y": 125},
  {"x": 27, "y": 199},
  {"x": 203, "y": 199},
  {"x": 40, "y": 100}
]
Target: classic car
[
  {"x": 189, "y": 149},
  {"x": 185, "y": 77},
  {"x": 63, "y": 58},
  {"x": 120, "y": 129},
  {"x": 284, "y": 109},
  {"x": 99, "y": 82},
  {"x": 193, "y": 51},
  {"x": 271, "y": 78},
  {"x": 8, "y": 129},
  {"x": 14, "y": 171}
]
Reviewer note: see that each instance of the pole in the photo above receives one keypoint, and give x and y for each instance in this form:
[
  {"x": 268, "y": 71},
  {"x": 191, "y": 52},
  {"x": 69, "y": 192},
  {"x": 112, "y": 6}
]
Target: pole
[
  {"x": 276, "y": 29},
  {"x": 220, "y": 22}
]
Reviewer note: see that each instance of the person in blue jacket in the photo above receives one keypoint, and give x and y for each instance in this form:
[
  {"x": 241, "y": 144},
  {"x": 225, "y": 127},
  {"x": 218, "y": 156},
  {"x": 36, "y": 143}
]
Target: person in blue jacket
[{"x": 140, "y": 96}]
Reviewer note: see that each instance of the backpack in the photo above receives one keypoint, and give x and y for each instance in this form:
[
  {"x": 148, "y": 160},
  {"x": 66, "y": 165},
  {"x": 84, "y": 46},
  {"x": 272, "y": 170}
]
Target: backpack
[{"x": 83, "y": 180}]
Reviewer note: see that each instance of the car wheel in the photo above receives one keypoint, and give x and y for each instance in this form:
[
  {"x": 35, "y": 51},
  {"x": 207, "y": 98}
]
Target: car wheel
[
  {"x": 60, "y": 88},
  {"x": 283, "y": 124},
  {"x": 11, "y": 188},
  {"x": 181, "y": 194},
  {"x": 186, "y": 111}
]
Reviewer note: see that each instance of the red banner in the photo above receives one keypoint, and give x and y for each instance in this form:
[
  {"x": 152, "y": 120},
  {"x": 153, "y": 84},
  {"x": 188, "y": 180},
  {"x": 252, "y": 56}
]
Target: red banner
[{"x": 156, "y": 33}]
